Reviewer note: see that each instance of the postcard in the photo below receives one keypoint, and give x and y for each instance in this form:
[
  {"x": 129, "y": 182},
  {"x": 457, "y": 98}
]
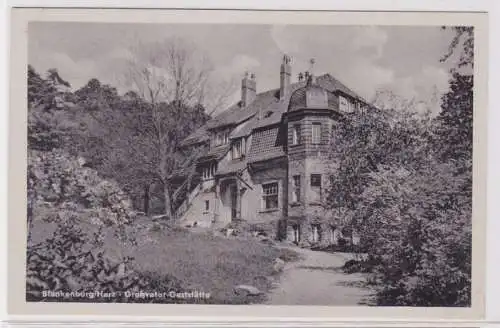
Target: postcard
[{"x": 257, "y": 164}]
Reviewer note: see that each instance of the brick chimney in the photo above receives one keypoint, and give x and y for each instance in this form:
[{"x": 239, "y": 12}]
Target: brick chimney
[
  {"x": 285, "y": 73},
  {"x": 248, "y": 89}
]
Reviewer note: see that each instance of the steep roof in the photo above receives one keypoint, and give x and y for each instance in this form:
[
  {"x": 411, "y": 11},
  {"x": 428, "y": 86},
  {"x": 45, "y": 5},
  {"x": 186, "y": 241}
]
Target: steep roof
[
  {"x": 215, "y": 153},
  {"x": 265, "y": 110},
  {"x": 266, "y": 144},
  {"x": 238, "y": 113},
  {"x": 232, "y": 166},
  {"x": 198, "y": 136}
]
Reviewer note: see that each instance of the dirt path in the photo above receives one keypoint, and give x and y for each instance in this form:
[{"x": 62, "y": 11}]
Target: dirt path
[{"x": 318, "y": 280}]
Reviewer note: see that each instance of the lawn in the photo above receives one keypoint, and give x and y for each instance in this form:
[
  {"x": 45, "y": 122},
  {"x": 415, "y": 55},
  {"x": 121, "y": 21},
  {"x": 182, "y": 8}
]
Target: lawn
[{"x": 201, "y": 261}]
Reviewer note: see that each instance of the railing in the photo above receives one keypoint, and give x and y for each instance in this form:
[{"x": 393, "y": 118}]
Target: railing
[{"x": 183, "y": 208}]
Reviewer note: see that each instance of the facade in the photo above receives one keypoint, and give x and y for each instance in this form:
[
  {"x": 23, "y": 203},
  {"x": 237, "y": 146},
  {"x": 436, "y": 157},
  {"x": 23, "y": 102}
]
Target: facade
[{"x": 266, "y": 158}]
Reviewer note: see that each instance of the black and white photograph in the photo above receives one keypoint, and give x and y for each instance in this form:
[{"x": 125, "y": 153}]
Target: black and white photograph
[{"x": 250, "y": 164}]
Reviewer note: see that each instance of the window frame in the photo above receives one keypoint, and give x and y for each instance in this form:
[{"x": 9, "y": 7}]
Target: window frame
[
  {"x": 316, "y": 232},
  {"x": 207, "y": 205},
  {"x": 237, "y": 143},
  {"x": 342, "y": 103},
  {"x": 316, "y": 139},
  {"x": 266, "y": 196},
  {"x": 208, "y": 172},
  {"x": 296, "y": 134},
  {"x": 296, "y": 188},
  {"x": 315, "y": 187}
]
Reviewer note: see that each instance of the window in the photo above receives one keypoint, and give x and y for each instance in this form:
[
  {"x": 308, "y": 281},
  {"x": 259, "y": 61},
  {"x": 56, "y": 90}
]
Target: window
[
  {"x": 316, "y": 187},
  {"x": 296, "y": 189},
  {"x": 209, "y": 171},
  {"x": 270, "y": 195},
  {"x": 346, "y": 105},
  {"x": 316, "y": 233},
  {"x": 207, "y": 205},
  {"x": 236, "y": 149},
  {"x": 296, "y": 134},
  {"x": 222, "y": 138},
  {"x": 316, "y": 133}
]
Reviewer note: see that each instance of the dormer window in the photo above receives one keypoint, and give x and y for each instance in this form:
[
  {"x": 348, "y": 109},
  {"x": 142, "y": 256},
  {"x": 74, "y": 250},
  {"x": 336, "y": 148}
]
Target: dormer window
[
  {"x": 343, "y": 104},
  {"x": 237, "y": 150},
  {"x": 222, "y": 138}
]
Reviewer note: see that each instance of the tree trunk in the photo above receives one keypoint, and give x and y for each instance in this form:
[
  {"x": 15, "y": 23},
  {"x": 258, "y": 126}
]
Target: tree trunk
[
  {"x": 31, "y": 200},
  {"x": 168, "y": 202},
  {"x": 146, "y": 199}
]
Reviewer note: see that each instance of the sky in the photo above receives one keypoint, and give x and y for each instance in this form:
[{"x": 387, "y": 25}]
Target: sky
[{"x": 402, "y": 59}]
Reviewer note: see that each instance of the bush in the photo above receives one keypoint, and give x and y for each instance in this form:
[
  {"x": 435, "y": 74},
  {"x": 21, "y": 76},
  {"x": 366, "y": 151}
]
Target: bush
[
  {"x": 69, "y": 262},
  {"x": 60, "y": 186}
]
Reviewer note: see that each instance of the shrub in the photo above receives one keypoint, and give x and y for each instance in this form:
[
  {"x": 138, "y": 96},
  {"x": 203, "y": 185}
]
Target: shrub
[
  {"x": 70, "y": 262},
  {"x": 61, "y": 186}
]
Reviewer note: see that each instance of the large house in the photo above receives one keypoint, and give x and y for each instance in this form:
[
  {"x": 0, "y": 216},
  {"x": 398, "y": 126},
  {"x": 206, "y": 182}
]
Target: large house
[{"x": 266, "y": 159}]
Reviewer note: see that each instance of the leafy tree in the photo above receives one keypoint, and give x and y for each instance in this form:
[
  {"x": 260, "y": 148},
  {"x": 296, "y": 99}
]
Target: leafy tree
[
  {"x": 51, "y": 113},
  {"x": 96, "y": 96},
  {"x": 456, "y": 117},
  {"x": 407, "y": 187}
]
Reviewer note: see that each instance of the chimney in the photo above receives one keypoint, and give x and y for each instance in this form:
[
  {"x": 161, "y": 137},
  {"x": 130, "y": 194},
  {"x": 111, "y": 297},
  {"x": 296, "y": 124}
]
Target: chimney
[
  {"x": 285, "y": 73},
  {"x": 248, "y": 89},
  {"x": 311, "y": 78}
]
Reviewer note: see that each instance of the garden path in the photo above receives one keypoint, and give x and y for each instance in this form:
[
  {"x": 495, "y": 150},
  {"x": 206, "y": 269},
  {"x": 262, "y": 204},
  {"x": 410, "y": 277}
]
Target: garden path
[{"x": 318, "y": 279}]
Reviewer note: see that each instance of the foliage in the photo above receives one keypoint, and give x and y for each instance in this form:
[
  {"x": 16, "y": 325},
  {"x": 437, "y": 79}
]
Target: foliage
[
  {"x": 407, "y": 188},
  {"x": 65, "y": 185},
  {"x": 74, "y": 270},
  {"x": 412, "y": 209},
  {"x": 461, "y": 46},
  {"x": 456, "y": 119},
  {"x": 129, "y": 139}
]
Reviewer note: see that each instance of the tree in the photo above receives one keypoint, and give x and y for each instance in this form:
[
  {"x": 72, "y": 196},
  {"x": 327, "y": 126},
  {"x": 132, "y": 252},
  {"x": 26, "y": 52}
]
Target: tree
[
  {"x": 456, "y": 117},
  {"x": 406, "y": 184},
  {"x": 173, "y": 78},
  {"x": 51, "y": 114},
  {"x": 96, "y": 96}
]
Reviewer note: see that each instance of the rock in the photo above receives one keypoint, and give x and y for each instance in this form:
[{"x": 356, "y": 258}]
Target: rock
[
  {"x": 278, "y": 265},
  {"x": 247, "y": 289},
  {"x": 160, "y": 217}
]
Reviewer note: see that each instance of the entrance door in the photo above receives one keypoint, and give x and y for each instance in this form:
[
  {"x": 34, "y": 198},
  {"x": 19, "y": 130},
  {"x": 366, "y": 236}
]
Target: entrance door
[
  {"x": 234, "y": 199},
  {"x": 296, "y": 233}
]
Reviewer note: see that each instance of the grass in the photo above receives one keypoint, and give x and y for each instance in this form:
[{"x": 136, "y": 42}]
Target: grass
[
  {"x": 199, "y": 261},
  {"x": 210, "y": 264}
]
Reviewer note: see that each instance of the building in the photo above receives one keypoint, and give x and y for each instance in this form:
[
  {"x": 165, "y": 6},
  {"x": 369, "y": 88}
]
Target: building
[{"x": 266, "y": 158}]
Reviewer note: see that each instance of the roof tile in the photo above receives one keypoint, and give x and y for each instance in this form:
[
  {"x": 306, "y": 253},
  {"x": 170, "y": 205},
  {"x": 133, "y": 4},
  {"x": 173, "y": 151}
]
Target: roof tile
[
  {"x": 215, "y": 153},
  {"x": 266, "y": 144},
  {"x": 264, "y": 102}
]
